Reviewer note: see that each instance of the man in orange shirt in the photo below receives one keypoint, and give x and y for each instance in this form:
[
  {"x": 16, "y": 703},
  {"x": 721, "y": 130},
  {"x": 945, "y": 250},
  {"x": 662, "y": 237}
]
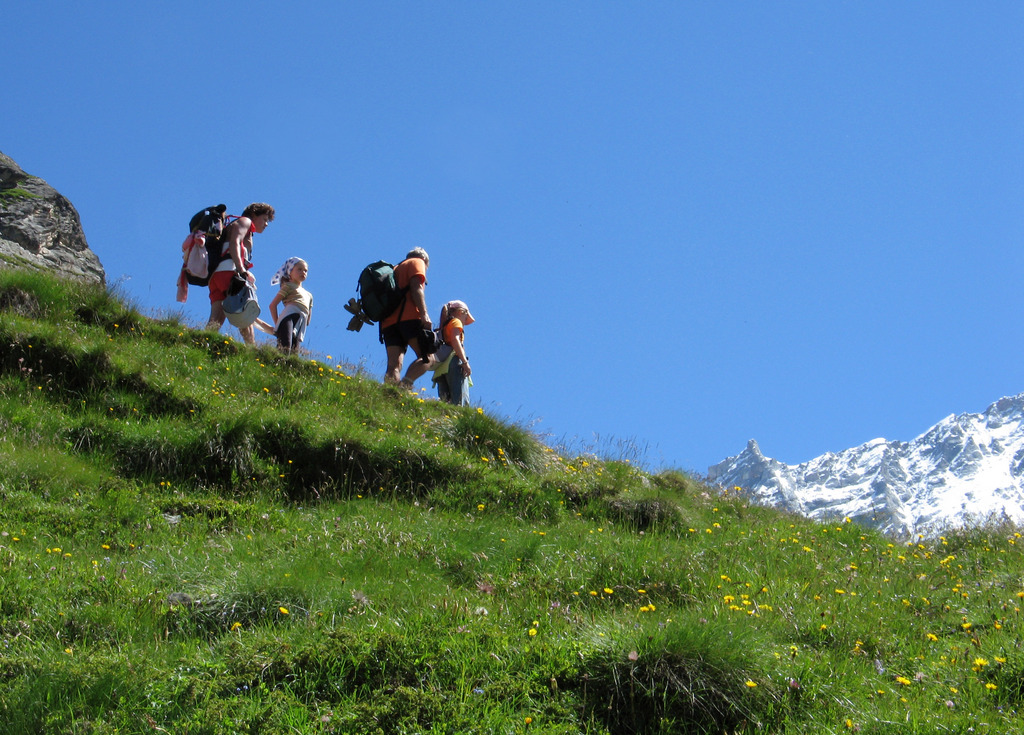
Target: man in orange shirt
[{"x": 409, "y": 325}]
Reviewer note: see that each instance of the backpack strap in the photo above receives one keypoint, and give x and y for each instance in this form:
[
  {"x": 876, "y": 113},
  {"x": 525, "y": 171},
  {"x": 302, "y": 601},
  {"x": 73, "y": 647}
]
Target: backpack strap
[
  {"x": 401, "y": 307},
  {"x": 229, "y": 219}
]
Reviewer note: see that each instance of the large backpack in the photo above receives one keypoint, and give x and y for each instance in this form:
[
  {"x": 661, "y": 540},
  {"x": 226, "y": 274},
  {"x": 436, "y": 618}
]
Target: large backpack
[
  {"x": 379, "y": 294},
  {"x": 202, "y": 249}
]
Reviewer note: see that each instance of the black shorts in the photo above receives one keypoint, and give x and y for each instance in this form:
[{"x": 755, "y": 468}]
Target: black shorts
[{"x": 411, "y": 330}]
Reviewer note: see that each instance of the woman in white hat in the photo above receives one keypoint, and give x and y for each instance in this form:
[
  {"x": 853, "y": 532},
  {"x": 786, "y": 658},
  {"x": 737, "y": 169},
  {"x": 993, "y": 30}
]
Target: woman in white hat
[{"x": 452, "y": 371}]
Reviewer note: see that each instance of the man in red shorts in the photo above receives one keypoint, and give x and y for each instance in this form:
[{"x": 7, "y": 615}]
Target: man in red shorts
[
  {"x": 409, "y": 325},
  {"x": 237, "y": 250}
]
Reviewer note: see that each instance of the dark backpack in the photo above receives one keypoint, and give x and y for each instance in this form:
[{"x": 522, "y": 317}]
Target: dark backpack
[
  {"x": 206, "y": 229},
  {"x": 379, "y": 294}
]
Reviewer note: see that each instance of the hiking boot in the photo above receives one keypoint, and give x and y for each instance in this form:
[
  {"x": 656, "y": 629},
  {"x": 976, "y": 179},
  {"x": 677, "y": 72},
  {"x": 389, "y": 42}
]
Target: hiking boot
[
  {"x": 352, "y": 307},
  {"x": 355, "y": 323}
]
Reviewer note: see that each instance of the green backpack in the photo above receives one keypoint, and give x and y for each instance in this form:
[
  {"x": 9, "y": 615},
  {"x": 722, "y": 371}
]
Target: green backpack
[{"x": 379, "y": 294}]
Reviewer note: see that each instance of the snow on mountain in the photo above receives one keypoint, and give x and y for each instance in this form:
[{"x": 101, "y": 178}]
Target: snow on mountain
[{"x": 964, "y": 469}]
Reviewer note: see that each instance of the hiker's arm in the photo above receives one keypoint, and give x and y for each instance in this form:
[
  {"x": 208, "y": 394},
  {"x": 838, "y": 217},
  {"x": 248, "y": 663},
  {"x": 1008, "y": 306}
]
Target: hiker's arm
[
  {"x": 273, "y": 307},
  {"x": 235, "y": 249},
  {"x": 460, "y": 352},
  {"x": 419, "y": 299},
  {"x": 264, "y": 326},
  {"x": 459, "y": 349}
]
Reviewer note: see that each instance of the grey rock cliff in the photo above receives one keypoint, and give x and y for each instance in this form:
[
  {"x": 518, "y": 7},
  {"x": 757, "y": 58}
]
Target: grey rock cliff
[{"x": 39, "y": 228}]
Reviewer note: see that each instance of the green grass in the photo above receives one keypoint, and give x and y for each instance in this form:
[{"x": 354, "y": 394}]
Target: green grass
[
  {"x": 199, "y": 537},
  {"x": 17, "y": 192}
]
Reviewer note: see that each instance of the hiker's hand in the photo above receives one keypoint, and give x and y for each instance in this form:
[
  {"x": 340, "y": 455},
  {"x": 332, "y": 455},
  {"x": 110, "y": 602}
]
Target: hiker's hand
[{"x": 466, "y": 369}]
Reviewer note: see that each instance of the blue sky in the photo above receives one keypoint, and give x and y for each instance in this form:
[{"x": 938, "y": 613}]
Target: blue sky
[{"x": 679, "y": 225}]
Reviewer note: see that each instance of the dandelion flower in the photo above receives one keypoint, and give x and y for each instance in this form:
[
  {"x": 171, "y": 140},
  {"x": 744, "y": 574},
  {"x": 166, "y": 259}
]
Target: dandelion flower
[
  {"x": 283, "y": 610},
  {"x": 532, "y": 632},
  {"x": 990, "y": 686},
  {"x": 751, "y": 684},
  {"x": 609, "y": 591}
]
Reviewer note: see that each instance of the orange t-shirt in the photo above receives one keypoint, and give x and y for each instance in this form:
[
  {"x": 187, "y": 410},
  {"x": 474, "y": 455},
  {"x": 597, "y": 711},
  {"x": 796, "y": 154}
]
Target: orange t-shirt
[
  {"x": 453, "y": 331},
  {"x": 405, "y": 272}
]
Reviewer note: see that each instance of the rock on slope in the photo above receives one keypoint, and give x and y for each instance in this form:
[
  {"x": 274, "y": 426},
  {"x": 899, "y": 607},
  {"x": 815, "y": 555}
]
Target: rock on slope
[{"x": 40, "y": 228}]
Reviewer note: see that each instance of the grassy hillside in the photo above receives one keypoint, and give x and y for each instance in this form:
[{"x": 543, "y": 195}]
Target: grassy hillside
[{"x": 199, "y": 537}]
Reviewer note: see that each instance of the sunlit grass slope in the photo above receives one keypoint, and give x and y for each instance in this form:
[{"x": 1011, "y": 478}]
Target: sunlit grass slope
[{"x": 199, "y": 537}]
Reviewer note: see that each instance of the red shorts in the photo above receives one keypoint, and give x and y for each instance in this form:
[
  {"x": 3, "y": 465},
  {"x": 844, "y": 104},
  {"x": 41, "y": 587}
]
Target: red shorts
[{"x": 219, "y": 285}]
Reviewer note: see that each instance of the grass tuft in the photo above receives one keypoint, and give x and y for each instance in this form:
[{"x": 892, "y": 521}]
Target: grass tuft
[{"x": 697, "y": 676}]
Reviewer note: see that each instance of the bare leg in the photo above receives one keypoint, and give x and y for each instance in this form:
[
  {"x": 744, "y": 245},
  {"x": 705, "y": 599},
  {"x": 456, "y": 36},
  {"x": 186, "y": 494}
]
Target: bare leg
[
  {"x": 217, "y": 316},
  {"x": 396, "y": 355},
  {"x": 417, "y": 367}
]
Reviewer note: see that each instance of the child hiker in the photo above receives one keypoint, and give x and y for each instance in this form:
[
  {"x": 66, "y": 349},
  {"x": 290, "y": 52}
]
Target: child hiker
[
  {"x": 290, "y": 326},
  {"x": 451, "y": 370}
]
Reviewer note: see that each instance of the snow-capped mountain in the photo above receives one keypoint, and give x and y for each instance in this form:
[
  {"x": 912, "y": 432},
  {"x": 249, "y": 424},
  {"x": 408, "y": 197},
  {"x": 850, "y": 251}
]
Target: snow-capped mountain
[{"x": 964, "y": 469}]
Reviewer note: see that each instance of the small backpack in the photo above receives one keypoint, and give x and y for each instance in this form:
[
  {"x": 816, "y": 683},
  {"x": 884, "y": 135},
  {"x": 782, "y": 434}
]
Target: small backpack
[
  {"x": 201, "y": 251},
  {"x": 379, "y": 294},
  {"x": 241, "y": 307}
]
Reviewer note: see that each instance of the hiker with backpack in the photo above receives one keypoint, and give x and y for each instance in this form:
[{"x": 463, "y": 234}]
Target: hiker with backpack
[
  {"x": 409, "y": 325},
  {"x": 450, "y": 364},
  {"x": 236, "y": 251},
  {"x": 297, "y": 301}
]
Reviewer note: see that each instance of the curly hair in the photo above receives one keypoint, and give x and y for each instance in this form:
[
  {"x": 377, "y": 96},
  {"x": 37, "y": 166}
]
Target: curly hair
[{"x": 257, "y": 208}]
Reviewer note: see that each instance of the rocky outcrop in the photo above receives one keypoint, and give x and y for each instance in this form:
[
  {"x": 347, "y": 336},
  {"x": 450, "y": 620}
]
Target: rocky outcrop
[{"x": 39, "y": 228}]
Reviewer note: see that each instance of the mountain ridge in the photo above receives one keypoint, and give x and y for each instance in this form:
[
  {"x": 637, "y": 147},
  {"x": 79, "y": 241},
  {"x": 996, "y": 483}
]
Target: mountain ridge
[{"x": 965, "y": 468}]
